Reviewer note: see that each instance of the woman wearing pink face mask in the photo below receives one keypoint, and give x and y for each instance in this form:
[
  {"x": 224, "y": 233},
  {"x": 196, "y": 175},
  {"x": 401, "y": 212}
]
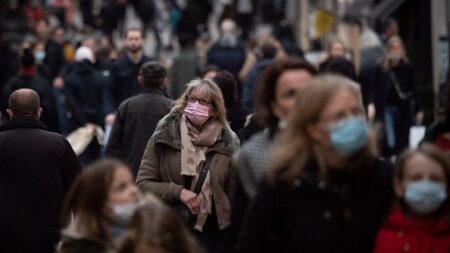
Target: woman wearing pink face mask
[{"x": 187, "y": 161}]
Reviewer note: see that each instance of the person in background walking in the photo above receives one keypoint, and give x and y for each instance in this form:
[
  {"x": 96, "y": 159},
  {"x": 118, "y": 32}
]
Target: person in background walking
[{"x": 138, "y": 116}]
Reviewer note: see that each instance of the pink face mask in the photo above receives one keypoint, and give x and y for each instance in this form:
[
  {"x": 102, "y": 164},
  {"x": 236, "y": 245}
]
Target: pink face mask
[{"x": 196, "y": 113}]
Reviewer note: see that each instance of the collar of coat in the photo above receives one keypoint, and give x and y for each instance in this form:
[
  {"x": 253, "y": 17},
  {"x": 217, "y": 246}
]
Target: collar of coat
[
  {"x": 168, "y": 132},
  {"x": 22, "y": 122}
]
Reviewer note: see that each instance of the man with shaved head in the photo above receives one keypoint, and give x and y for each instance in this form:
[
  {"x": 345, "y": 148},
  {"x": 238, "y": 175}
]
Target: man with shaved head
[{"x": 37, "y": 168}]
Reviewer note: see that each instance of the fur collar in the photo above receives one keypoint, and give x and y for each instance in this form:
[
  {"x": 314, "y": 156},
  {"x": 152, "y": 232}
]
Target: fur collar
[{"x": 168, "y": 132}]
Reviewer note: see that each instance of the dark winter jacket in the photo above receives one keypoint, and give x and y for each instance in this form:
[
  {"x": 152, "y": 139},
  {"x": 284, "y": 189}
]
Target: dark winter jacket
[
  {"x": 37, "y": 168},
  {"x": 227, "y": 58},
  {"x": 252, "y": 82},
  {"x": 123, "y": 82},
  {"x": 237, "y": 115},
  {"x": 383, "y": 91},
  {"x": 403, "y": 233},
  {"x": 135, "y": 123},
  {"x": 340, "y": 214},
  {"x": 84, "y": 87},
  {"x": 43, "y": 88},
  {"x": 54, "y": 59}
]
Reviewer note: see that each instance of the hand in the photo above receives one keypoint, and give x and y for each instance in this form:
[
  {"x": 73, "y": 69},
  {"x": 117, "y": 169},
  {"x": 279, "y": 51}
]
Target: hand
[
  {"x": 419, "y": 118},
  {"x": 371, "y": 111},
  {"x": 109, "y": 119},
  {"x": 58, "y": 82},
  {"x": 190, "y": 199}
]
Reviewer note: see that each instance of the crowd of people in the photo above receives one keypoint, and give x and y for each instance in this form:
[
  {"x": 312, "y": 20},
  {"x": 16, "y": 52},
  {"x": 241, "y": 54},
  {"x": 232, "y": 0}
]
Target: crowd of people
[{"x": 237, "y": 144}]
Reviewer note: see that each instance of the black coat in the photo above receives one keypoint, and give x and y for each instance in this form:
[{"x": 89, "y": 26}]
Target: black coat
[
  {"x": 237, "y": 115},
  {"x": 123, "y": 82},
  {"x": 37, "y": 168},
  {"x": 43, "y": 88},
  {"x": 341, "y": 214},
  {"x": 227, "y": 58},
  {"x": 135, "y": 123},
  {"x": 84, "y": 87},
  {"x": 54, "y": 59}
]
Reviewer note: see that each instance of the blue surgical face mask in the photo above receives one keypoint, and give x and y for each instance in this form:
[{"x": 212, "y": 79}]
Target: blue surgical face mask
[
  {"x": 349, "y": 135},
  {"x": 39, "y": 56},
  {"x": 425, "y": 196}
]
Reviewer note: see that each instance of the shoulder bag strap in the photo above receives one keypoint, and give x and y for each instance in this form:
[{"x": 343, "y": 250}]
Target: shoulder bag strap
[
  {"x": 400, "y": 93},
  {"x": 203, "y": 172}
]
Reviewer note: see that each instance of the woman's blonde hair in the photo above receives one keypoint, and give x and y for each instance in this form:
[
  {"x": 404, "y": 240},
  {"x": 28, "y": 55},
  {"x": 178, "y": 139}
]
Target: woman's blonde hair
[
  {"x": 391, "y": 41},
  {"x": 210, "y": 90},
  {"x": 295, "y": 147}
]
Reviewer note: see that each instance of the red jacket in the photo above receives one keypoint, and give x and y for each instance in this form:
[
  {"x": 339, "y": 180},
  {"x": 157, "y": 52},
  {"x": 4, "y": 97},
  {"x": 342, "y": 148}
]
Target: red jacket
[{"x": 413, "y": 235}]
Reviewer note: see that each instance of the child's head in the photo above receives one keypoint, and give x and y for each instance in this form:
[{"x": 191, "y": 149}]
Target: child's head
[
  {"x": 157, "y": 228},
  {"x": 96, "y": 193},
  {"x": 421, "y": 180}
]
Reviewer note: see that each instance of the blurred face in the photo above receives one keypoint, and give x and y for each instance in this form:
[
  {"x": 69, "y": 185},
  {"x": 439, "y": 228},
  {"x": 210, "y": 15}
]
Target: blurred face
[
  {"x": 90, "y": 43},
  {"x": 134, "y": 41},
  {"x": 343, "y": 105},
  {"x": 418, "y": 168},
  {"x": 395, "y": 50},
  {"x": 287, "y": 86},
  {"x": 337, "y": 50},
  {"x": 123, "y": 190},
  {"x": 58, "y": 36},
  {"x": 42, "y": 30}
]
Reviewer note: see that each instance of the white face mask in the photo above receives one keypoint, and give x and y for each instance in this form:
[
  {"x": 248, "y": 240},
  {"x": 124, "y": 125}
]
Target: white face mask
[{"x": 125, "y": 211}]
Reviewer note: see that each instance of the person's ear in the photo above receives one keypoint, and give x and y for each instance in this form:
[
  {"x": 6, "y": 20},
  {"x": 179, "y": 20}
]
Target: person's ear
[
  {"x": 39, "y": 112},
  {"x": 140, "y": 80},
  {"x": 398, "y": 188},
  {"x": 10, "y": 113}
]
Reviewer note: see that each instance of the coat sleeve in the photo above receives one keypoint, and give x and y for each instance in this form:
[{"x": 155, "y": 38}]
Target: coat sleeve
[
  {"x": 149, "y": 176},
  {"x": 109, "y": 102},
  {"x": 115, "y": 141}
]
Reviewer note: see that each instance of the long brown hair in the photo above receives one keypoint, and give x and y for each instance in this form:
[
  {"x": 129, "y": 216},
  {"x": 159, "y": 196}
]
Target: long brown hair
[
  {"x": 159, "y": 228},
  {"x": 295, "y": 146},
  {"x": 88, "y": 196},
  {"x": 265, "y": 94}
]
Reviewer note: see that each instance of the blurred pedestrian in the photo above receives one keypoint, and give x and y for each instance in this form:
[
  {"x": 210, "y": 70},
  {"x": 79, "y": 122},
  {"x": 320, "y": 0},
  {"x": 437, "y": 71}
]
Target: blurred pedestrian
[
  {"x": 419, "y": 220},
  {"x": 138, "y": 116},
  {"x": 98, "y": 207},
  {"x": 187, "y": 162},
  {"x": 29, "y": 77},
  {"x": 157, "y": 228},
  {"x": 393, "y": 98},
  {"x": 335, "y": 48},
  {"x": 228, "y": 53},
  {"x": 123, "y": 79},
  {"x": 84, "y": 92},
  {"x": 325, "y": 191},
  {"x": 341, "y": 66},
  {"x": 236, "y": 112},
  {"x": 265, "y": 55},
  {"x": 37, "y": 169},
  {"x": 276, "y": 95},
  {"x": 186, "y": 65}
]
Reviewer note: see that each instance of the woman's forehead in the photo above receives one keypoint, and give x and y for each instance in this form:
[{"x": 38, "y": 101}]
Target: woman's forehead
[{"x": 198, "y": 92}]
